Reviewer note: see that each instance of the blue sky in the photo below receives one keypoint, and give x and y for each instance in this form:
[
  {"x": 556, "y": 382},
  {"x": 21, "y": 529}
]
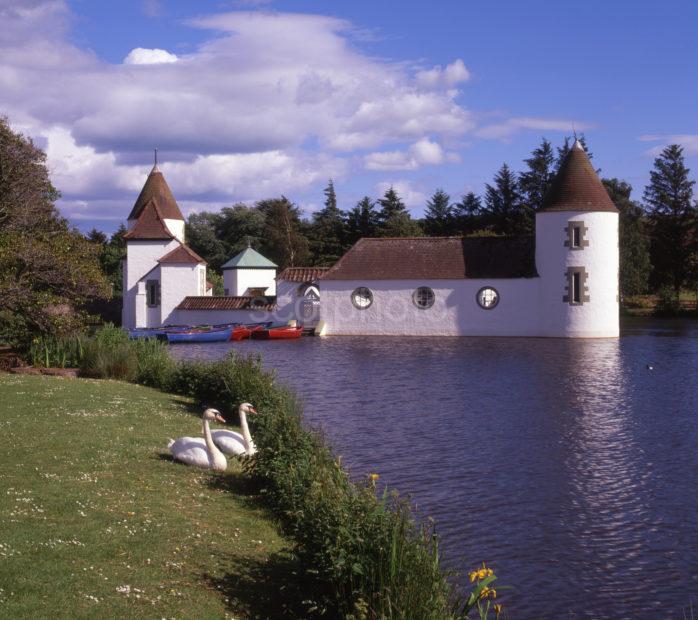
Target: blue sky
[{"x": 257, "y": 98}]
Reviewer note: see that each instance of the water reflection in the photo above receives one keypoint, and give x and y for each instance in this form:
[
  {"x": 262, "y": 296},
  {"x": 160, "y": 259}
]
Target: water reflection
[{"x": 565, "y": 463}]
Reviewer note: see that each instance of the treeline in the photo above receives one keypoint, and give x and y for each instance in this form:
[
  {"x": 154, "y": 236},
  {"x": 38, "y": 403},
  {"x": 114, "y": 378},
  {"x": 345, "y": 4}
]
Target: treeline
[{"x": 658, "y": 236}]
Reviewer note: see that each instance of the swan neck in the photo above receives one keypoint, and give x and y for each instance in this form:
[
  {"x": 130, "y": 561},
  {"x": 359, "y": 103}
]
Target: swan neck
[
  {"x": 245, "y": 430},
  {"x": 208, "y": 439}
]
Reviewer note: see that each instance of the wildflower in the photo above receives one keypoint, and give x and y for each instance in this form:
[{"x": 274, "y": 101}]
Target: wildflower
[
  {"x": 497, "y": 609},
  {"x": 373, "y": 477}
]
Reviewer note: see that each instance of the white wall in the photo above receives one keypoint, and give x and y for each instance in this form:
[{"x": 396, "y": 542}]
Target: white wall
[
  {"x": 599, "y": 317},
  {"x": 455, "y": 311},
  {"x": 291, "y": 303},
  {"x": 237, "y": 281},
  {"x": 176, "y": 227},
  {"x": 177, "y": 282}
]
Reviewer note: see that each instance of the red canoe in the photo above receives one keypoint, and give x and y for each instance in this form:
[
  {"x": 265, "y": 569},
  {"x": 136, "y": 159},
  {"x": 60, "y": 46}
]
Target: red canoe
[
  {"x": 240, "y": 333},
  {"x": 277, "y": 333}
]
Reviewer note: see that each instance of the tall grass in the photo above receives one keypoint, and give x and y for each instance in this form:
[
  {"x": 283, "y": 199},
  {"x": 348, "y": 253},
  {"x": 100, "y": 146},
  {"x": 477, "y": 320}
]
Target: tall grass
[
  {"x": 57, "y": 352},
  {"x": 367, "y": 556}
]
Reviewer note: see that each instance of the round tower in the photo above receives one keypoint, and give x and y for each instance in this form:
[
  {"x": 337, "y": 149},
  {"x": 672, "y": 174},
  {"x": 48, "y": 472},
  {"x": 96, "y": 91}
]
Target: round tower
[{"x": 577, "y": 254}]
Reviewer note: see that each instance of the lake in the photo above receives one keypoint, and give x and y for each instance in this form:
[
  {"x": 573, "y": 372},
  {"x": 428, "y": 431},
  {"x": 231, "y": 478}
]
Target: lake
[{"x": 568, "y": 465}]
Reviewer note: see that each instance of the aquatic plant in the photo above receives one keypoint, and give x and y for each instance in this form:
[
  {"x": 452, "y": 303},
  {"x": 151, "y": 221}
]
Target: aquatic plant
[{"x": 56, "y": 352}]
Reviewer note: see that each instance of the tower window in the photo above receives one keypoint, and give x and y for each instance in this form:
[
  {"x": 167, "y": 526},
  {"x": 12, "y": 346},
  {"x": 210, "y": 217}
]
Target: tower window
[
  {"x": 576, "y": 233},
  {"x": 577, "y": 289}
]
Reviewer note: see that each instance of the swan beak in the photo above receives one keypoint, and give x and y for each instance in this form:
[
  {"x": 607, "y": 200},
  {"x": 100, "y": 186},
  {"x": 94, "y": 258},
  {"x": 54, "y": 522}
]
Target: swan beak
[
  {"x": 220, "y": 418},
  {"x": 251, "y": 410}
]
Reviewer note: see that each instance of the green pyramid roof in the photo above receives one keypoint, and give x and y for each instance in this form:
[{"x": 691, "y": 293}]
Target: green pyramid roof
[{"x": 249, "y": 259}]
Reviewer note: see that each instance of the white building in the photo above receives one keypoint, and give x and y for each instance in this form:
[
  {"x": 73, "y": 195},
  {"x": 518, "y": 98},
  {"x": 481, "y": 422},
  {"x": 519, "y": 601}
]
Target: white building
[
  {"x": 159, "y": 270},
  {"x": 562, "y": 282}
]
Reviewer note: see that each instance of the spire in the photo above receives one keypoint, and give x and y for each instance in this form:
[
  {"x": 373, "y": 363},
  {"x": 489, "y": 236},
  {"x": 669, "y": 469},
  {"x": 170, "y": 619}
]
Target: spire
[
  {"x": 576, "y": 186},
  {"x": 156, "y": 190}
]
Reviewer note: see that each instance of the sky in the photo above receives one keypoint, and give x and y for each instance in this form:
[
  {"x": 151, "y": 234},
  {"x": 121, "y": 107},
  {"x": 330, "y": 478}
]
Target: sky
[{"x": 251, "y": 99}]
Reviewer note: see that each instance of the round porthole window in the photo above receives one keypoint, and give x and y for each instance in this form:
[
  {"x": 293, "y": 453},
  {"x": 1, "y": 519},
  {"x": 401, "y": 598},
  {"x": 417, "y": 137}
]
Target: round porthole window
[
  {"x": 487, "y": 297},
  {"x": 362, "y": 298},
  {"x": 423, "y": 297}
]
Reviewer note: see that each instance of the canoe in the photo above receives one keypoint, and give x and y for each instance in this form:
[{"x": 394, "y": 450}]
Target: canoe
[
  {"x": 218, "y": 335},
  {"x": 278, "y": 333},
  {"x": 136, "y": 334},
  {"x": 240, "y": 333}
]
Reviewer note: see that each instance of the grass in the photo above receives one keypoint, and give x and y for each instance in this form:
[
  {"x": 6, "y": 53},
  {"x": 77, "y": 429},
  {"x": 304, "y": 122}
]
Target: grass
[{"x": 98, "y": 521}]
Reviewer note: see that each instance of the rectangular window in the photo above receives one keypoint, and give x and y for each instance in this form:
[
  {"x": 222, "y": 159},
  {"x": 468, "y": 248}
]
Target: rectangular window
[
  {"x": 576, "y": 237},
  {"x": 575, "y": 233},
  {"x": 152, "y": 288},
  {"x": 576, "y": 291}
]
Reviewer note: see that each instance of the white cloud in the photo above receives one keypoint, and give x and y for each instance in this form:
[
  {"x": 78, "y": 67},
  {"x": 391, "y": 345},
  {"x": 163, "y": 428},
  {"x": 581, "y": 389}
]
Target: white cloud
[
  {"x": 151, "y": 8},
  {"x": 424, "y": 152},
  {"x": 688, "y": 141},
  {"x": 143, "y": 56},
  {"x": 507, "y": 128},
  {"x": 449, "y": 76}
]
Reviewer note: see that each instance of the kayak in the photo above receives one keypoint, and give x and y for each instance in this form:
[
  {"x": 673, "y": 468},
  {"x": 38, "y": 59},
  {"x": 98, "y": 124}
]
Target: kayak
[{"x": 278, "y": 333}]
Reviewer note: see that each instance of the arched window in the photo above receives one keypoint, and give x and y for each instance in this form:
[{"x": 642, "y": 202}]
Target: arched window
[
  {"x": 487, "y": 297},
  {"x": 423, "y": 297},
  {"x": 362, "y": 298}
]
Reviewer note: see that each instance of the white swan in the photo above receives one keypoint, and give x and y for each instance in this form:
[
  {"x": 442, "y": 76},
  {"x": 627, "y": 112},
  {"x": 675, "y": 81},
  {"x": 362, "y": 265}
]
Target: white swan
[
  {"x": 234, "y": 443},
  {"x": 200, "y": 452}
]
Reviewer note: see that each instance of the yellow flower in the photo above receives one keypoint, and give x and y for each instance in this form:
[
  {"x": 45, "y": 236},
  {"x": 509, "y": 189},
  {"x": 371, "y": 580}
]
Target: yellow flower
[
  {"x": 473, "y": 576},
  {"x": 497, "y": 609},
  {"x": 373, "y": 477}
]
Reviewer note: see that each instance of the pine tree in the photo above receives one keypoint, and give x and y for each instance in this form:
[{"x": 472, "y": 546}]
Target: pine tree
[
  {"x": 439, "y": 218},
  {"x": 535, "y": 181},
  {"x": 328, "y": 230},
  {"x": 674, "y": 220},
  {"x": 634, "y": 241},
  {"x": 503, "y": 203},
  {"x": 468, "y": 213},
  {"x": 362, "y": 220},
  {"x": 394, "y": 219}
]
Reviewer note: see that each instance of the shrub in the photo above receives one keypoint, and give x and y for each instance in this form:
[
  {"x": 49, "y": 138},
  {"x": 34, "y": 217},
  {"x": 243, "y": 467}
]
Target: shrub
[
  {"x": 57, "y": 352},
  {"x": 109, "y": 354},
  {"x": 668, "y": 303},
  {"x": 154, "y": 366}
]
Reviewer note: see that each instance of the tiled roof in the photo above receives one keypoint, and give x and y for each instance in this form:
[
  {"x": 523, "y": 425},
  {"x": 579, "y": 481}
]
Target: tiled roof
[
  {"x": 436, "y": 258},
  {"x": 577, "y": 187},
  {"x": 302, "y": 274},
  {"x": 181, "y": 254},
  {"x": 249, "y": 259},
  {"x": 150, "y": 225},
  {"x": 226, "y": 303},
  {"x": 157, "y": 190}
]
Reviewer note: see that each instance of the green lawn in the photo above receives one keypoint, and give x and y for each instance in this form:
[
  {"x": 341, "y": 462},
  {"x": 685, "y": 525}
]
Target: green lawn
[{"x": 97, "y": 521}]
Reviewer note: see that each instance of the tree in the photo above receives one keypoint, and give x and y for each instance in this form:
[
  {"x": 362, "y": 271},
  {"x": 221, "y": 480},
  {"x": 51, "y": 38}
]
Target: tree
[
  {"x": 673, "y": 217},
  {"x": 394, "y": 219},
  {"x": 439, "y": 218},
  {"x": 634, "y": 242},
  {"x": 468, "y": 213},
  {"x": 202, "y": 234},
  {"x": 283, "y": 242},
  {"x": 47, "y": 270},
  {"x": 328, "y": 231},
  {"x": 112, "y": 251},
  {"x": 362, "y": 220},
  {"x": 503, "y": 203},
  {"x": 535, "y": 181}
]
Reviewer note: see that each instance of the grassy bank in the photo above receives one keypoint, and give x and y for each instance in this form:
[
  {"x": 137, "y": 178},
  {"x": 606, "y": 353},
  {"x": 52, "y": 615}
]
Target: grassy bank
[{"x": 97, "y": 521}]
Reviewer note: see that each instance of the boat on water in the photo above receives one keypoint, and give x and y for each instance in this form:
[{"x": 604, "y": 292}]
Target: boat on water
[
  {"x": 278, "y": 333},
  {"x": 211, "y": 335}
]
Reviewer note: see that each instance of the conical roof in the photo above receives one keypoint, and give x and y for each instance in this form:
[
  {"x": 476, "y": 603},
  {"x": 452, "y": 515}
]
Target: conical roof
[
  {"x": 157, "y": 190},
  {"x": 249, "y": 259},
  {"x": 150, "y": 224},
  {"x": 577, "y": 187}
]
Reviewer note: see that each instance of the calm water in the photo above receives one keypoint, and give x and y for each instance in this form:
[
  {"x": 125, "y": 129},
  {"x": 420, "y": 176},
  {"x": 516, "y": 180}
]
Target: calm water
[{"x": 566, "y": 464}]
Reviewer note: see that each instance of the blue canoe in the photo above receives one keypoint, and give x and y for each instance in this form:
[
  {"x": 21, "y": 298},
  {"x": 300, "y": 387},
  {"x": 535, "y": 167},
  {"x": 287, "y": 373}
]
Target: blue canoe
[
  {"x": 144, "y": 333},
  {"x": 214, "y": 335}
]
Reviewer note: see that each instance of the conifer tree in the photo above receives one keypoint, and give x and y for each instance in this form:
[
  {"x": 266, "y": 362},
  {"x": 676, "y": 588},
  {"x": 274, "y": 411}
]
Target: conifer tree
[
  {"x": 328, "y": 230},
  {"x": 468, "y": 213},
  {"x": 674, "y": 220},
  {"x": 283, "y": 240},
  {"x": 362, "y": 220},
  {"x": 633, "y": 239},
  {"x": 439, "y": 219},
  {"x": 503, "y": 203},
  {"x": 394, "y": 219},
  {"x": 535, "y": 181}
]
